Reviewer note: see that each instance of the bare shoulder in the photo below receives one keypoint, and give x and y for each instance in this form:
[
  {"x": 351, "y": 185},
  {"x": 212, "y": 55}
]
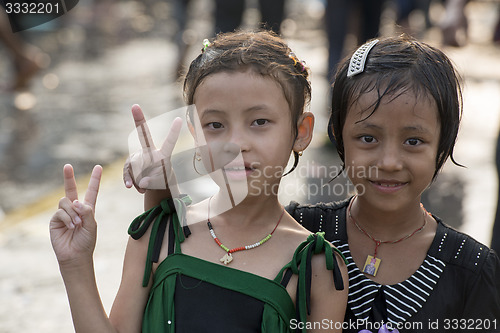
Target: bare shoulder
[{"x": 294, "y": 228}]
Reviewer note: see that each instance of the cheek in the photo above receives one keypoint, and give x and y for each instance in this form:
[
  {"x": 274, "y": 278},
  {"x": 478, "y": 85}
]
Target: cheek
[
  {"x": 357, "y": 165},
  {"x": 426, "y": 165},
  {"x": 354, "y": 156},
  {"x": 280, "y": 140}
]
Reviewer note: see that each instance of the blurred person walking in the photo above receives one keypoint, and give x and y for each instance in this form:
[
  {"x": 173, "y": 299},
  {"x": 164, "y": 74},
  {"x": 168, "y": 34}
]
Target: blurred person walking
[
  {"x": 405, "y": 8},
  {"x": 181, "y": 17},
  {"x": 25, "y": 58},
  {"x": 343, "y": 15},
  {"x": 228, "y": 17},
  {"x": 454, "y": 22},
  {"x": 229, "y": 14}
]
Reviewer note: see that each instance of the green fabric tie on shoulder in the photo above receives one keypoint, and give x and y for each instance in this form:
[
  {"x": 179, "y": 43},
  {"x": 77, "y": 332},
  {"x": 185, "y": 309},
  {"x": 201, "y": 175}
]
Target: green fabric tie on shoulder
[
  {"x": 159, "y": 217},
  {"x": 314, "y": 244}
]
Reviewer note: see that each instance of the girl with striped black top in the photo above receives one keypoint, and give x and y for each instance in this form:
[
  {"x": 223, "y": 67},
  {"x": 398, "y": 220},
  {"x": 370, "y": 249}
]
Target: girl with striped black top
[{"x": 396, "y": 109}]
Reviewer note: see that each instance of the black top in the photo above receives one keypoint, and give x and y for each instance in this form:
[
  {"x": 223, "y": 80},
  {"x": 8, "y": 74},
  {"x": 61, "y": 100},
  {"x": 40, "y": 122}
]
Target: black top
[
  {"x": 456, "y": 289},
  {"x": 199, "y": 303}
]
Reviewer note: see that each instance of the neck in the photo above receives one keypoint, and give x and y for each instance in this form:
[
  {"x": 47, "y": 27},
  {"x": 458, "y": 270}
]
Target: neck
[{"x": 386, "y": 225}]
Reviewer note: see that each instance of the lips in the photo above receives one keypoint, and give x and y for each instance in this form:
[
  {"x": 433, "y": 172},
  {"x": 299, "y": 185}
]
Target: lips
[{"x": 237, "y": 171}]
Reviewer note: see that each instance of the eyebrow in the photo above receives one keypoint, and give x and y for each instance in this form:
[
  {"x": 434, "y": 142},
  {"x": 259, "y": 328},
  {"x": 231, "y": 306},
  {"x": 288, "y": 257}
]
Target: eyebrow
[
  {"x": 211, "y": 111},
  {"x": 250, "y": 109},
  {"x": 411, "y": 128},
  {"x": 416, "y": 128},
  {"x": 363, "y": 124}
]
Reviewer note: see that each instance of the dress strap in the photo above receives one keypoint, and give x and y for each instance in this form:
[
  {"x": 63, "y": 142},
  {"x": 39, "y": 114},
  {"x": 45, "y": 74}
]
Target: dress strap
[
  {"x": 301, "y": 265},
  {"x": 166, "y": 213}
]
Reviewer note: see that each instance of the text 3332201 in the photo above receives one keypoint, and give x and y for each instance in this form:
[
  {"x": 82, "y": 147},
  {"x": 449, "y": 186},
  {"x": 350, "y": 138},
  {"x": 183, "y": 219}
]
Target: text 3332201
[{"x": 25, "y": 7}]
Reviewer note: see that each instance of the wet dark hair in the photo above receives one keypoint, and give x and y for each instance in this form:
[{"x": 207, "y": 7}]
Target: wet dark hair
[
  {"x": 261, "y": 51},
  {"x": 397, "y": 65}
]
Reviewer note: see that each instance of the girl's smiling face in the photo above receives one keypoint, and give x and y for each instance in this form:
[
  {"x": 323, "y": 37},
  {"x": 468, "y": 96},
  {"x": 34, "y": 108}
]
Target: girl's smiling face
[
  {"x": 247, "y": 112},
  {"x": 391, "y": 154}
]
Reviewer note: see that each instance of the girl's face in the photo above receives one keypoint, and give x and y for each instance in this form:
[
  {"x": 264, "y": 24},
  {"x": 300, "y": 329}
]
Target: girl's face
[
  {"x": 391, "y": 156},
  {"x": 248, "y": 113}
]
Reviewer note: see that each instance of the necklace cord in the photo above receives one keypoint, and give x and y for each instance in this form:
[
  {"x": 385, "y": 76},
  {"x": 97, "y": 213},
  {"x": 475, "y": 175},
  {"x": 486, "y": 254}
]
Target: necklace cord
[
  {"x": 241, "y": 248},
  {"x": 378, "y": 242}
]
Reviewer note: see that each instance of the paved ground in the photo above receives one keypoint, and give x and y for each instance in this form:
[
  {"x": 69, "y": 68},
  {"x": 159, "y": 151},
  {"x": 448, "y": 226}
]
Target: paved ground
[{"x": 77, "y": 111}]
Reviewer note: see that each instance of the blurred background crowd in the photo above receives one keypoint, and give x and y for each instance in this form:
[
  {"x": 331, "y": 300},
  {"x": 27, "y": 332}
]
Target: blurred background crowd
[{"x": 66, "y": 88}]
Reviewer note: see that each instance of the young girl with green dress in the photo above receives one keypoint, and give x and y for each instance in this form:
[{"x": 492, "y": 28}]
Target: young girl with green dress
[{"x": 205, "y": 267}]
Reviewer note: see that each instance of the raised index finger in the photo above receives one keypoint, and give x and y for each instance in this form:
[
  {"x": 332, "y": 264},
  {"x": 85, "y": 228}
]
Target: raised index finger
[
  {"x": 70, "y": 183},
  {"x": 142, "y": 128},
  {"x": 169, "y": 144},
  {"x": 93, "y": 189}
]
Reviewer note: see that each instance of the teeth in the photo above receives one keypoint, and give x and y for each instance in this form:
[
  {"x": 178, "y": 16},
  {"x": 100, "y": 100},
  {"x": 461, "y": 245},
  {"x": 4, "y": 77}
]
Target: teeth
[
  {"x": 389, "y": 185},
  {"x": 241, "y": 168}
]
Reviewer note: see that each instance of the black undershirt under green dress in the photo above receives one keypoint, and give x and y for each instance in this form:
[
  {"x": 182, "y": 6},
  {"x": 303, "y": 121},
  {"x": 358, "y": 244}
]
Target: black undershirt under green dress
[
  {"x": 192, "y": 295},
  {"x": 456, "y": 289}
]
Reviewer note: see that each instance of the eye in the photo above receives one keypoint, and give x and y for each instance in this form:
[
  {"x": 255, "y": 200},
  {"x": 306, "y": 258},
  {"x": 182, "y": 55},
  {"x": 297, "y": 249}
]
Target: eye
[
  {"x": 260, "y": 122},
  {"x": 413, "y": 142},
  {"x": 367, "y": 139},
  {"x": 214, "y": 125}
]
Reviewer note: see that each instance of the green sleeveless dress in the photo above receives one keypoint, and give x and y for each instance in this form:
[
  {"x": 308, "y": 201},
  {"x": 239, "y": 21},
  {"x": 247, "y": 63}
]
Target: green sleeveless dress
[{"x": 232, "y": 300}]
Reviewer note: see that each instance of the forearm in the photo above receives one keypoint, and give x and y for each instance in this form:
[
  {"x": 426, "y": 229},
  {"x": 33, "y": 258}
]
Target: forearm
[{"x": 86, "y": 306}]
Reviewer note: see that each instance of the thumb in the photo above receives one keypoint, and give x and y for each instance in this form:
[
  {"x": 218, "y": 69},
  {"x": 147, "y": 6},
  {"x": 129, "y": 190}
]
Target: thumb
[{"x": 86, "y": 212}]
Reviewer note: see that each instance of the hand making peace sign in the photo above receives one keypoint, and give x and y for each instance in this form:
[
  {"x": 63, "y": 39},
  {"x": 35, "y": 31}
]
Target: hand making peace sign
[
  {"x": 150, "y": 168},
  {"x": 73, "y": 229}
]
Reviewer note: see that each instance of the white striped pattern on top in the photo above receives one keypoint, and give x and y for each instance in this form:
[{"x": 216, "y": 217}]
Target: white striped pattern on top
[{"x": 403, "y": 300}]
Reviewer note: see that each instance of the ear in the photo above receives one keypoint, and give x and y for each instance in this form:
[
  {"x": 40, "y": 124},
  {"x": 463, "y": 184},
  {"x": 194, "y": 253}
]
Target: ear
[{"x": 305, "y": 128}]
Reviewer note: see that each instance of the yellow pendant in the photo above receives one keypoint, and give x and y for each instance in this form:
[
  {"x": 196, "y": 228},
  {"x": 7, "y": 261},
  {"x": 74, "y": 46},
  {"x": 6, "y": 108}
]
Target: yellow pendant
[
  {"x": 371, "y": 265},
  {"x": 226, "y": 259}
]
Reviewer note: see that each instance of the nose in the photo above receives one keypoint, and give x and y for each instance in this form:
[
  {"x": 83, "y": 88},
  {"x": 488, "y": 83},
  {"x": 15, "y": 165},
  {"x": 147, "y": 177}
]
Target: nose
[
  {"x": 238, "y": 140},
  {"x": 390, "y": 158}
]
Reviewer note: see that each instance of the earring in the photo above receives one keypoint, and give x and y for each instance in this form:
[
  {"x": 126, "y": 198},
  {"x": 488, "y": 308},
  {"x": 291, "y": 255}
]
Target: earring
[
  {"x": 196, "y": 157},
  {"x": 300, "y": 152}
]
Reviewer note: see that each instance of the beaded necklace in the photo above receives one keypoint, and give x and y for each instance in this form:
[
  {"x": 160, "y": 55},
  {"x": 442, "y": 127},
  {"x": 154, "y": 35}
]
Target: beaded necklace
[
  {"x": 227, "y": 258},
  {"x": 372, "y": 263}
]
